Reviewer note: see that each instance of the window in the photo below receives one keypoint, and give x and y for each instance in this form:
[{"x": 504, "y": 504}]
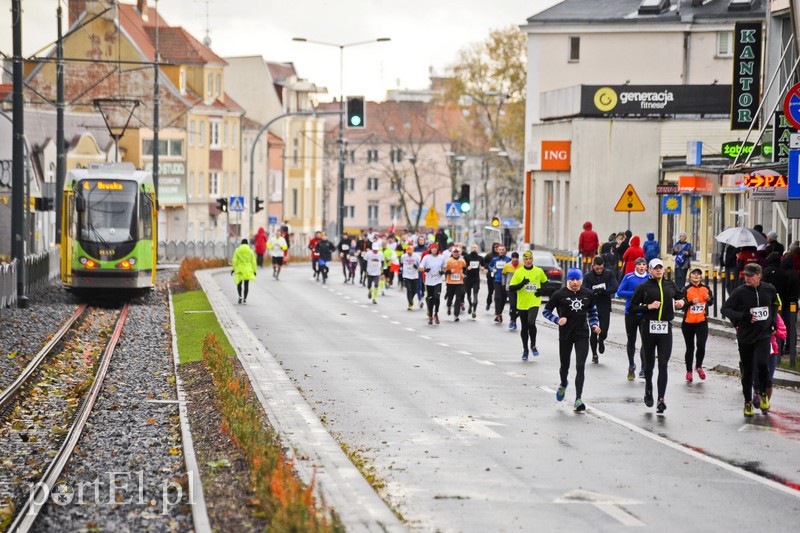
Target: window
[
  {"x": 219, "y": 86},
  {"x": 245, "y": 152},
  {"x": 724, "y": 44},
  {"x": 294, "y": 203},
  {"x": 202, "y": 129},
  {"x": 349, "y": 211},
  {"x": 395, "y": 155},
  {"x": 295, "y": 151},
  {"x": 372, "y": 214},
  {"x": 166, "y": 147},
  {"x": 213, "y": 184},
  {"x": 351, "y": 156},
  {"x": 201, "y": 182},
  {"x": 210, "y": 88},
  {"x": 349, "y": 184},
  {"x": 225, "y": 133},
  {"x": 372, "y": 156},
  {"x": 191, "y": 184},
  {"x": 372, "y": 184},
  {"x": 213, "y": 134},
  {"x": 397, "y": 184},
  {"x": 191, "y": 132},
  {"x": 574, "y": 49},
  {"x": 395, "y": 211},
  {"x": 176, "y": 147},
  {"x": 182, "y": 82},
  {"x": 234, "y": 127}
]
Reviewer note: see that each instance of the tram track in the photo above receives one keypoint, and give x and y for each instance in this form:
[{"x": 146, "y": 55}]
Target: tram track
[{"x": 45, "y": 410}]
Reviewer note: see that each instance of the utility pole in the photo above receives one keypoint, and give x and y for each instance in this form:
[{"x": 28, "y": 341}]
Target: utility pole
[
  {"x": 155, "y": 116},
  {"x": 18, "y": 154},
  {"x": 61, "y": 167}
]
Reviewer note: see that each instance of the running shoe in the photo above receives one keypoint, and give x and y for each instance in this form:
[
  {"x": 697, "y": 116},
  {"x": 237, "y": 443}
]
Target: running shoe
[
  {"x": 764, "y": 402},
  {"x": 595, "y": 359},
  {"x": 244, "y": 300},
  {"x": 689, "y": 377},
  {"x": 410, "y": 307},
  {"x": 456, "y": 319},
  {"x": 648, "y": 397},
  {"x": 369, "y": 294},
  {"x": 240, "y": 299},
  {"x": 534, "y": 351},
  {"x": 525, "y": 355},
  {"x": 748, "y": 409},
  {"x": 500, "y": 319},
  {"x": 631, "y": 373},
  {"x": 641, "y": 373},
  {"x": 383, "y": 293},
  {"x": 756, "y": 401},
  {"x": 436, "y": 318},
  {"x": 449, "y": 310},
  {"x": 374, "y": 301},
  {"x": 497, "y": 318},
  {"x": 661, "y": 407},
  {"x": 474, "y": 314},
  {"x": 579, "y": 406},
  {"x": 488, "y": 306},
  {"x": 601, "y": 347},
  {"x": 700, "y": 372},
  {"x": 512, "y": 325},
  {"x": 562, "y": 390},
  {"x": 430, "y": 320},
  {"x": 421, "y": 304}
]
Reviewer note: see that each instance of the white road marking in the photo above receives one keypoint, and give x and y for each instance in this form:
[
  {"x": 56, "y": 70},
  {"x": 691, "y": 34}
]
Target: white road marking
[
  {"x": 482, "y": 361},
  {"x": 690, "y": 452},
  {"x": 464, "y": 423},
  {"x": 384, "y": 316},
  {"x": 515, "y": 374},
  {"x": 409, "y": 329},
  {"x": 395, "y": 322},
  {"x": 424, "y": 337},
  {"x": 607, "y": 504},
  {"x": 465, "y": 353},
  {"x": 442, "y": 344}
]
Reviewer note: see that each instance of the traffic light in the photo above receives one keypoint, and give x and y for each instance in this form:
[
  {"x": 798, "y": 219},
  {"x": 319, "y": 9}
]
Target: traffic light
[
  {"x": 44, "y": 204},
  {"x": 463, "y": 199},
  {"x": 495, "y": 222},
  {"x": 222, "y": 205},
  {"x": 355, "y": 112},
  {"x": 259, "y": 205}
]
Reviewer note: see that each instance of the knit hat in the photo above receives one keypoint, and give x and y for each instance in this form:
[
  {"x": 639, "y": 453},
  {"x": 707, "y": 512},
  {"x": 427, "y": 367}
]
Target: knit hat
[{"x": 574, "y": 273}]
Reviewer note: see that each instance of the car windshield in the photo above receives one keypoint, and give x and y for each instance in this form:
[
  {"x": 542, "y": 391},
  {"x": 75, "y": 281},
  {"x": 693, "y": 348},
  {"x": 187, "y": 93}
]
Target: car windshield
[
  {"x": 109, "y": 209},
  {"x": 544, "y": 260}
]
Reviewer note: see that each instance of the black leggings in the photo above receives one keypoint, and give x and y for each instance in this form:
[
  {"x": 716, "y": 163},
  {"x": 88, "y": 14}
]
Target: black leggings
[
  {"x": 754, "y": 354},
  {"x": 499, "y": 297},
  {"x": 454, "y": 290},
  {"x": 581, "y": 351},
  {"x": 631, "y": 330},
  {"x": 432, "y": 296},
  {"x": 527, "y": 323},
  {"x": 605, "y": 319},
  {"x": 490, "y": 288},
  {"x": 651, "y": 343},
  {"x": 471, "y": 289},
  {"x": 411, "y": 289},
  {"x": 690, "y": 331},
  {"x": 246, "y": 283}
]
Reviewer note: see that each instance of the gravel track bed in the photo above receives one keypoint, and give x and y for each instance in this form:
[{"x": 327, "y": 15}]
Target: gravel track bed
[
  {"x": 129, "y": 461},
  {"x": 25, "y": 331}
]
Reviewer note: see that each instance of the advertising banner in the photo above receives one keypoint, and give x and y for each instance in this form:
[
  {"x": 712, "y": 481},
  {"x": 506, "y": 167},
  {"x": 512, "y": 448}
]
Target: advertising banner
[
  {"x": 654, "y": 100},
  {"x": 746, "y": 75}
]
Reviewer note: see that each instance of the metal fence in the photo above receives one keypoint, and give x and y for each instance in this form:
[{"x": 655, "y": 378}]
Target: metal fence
[
  {"x": 40, "y": 268},
  {"x": 178, "y": 250}
]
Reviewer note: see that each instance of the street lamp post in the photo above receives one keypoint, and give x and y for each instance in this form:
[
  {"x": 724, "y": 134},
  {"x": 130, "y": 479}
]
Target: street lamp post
[{"x": 341, "y": 141}]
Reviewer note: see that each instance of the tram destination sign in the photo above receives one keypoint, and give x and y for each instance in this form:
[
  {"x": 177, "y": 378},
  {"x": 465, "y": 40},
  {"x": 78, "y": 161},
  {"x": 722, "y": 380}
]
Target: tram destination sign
[{"x": 655, "y": 100}]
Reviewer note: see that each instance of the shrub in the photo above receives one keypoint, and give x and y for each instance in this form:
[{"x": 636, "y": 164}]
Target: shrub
[{"x": 186, "y": 278}]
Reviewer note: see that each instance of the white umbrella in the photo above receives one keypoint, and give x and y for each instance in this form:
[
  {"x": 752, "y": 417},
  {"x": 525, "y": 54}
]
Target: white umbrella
[{"x": 740, "y": 237}]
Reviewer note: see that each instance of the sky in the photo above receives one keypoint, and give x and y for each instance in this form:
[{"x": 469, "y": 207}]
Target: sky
[{"x": 425, "y": 34}]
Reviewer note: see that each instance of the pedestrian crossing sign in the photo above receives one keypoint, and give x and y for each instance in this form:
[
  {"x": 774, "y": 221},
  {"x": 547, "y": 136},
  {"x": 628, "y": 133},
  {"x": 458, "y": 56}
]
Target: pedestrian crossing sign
[
  {"x": 236, "y": 203},
  {"x": 629, "y": 201},
  {"x": 453, "y": 211}
]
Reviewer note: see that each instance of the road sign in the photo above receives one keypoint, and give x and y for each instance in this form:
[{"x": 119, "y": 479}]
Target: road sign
[
  {"x": 432, "y": 219},
  {"x": 453, "y": 211},
  {"x": 507, "y": 222},
  {"x": 236, "y": 203},
  {"x": 273, "y": 220},
  {"x": 671, "y": 204},
  {"x": 791, "y": 105},
  {"x": 794, "y": 174},
  {"x": 629, "y": 201}
]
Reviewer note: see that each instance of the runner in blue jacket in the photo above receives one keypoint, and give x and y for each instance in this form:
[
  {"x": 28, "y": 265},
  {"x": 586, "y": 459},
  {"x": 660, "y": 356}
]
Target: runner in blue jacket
[{"x": 626, "y": 288}]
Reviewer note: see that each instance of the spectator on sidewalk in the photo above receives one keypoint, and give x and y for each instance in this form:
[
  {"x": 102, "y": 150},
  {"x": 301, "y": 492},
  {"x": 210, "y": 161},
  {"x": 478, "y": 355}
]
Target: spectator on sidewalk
[
  {"x": 588, "y": 242},
  {"x": 633, "y": 252},
  {"x": 683, "y": 259},
  {"x": 652, "y": 250}
]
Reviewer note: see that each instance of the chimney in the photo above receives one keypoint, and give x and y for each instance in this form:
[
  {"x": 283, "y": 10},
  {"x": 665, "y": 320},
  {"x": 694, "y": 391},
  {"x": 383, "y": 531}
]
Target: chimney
[
  {"x": 76, "y": 7},
  {"x": 141, "y": 5}
]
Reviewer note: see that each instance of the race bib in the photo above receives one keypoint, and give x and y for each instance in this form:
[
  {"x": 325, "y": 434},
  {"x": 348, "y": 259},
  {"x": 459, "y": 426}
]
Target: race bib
[
  {"x": 659, "y": 327},
  {"x": 345, "y": 247},
  {"x": 531, "y": 287},
  {"x": 697, "y": 309},
  {"x": 455, "y": 277},
  {"x": 760, "y": 313},
  {"x": 599, "y": 287},
  {"x": 474, "y": 264},
  {"x": 499, "y": 265}
]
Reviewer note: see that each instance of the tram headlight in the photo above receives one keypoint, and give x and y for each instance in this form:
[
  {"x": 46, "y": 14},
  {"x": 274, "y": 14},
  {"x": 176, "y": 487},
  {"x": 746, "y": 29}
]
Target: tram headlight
[
  {"x": 125, "y": 264},
  {"x": 89, "y": 263},
  {"x": 132, "y": 260}
]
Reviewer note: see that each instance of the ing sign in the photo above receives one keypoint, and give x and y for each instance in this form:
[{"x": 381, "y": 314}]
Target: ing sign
[{"x": 555, "y": 155}]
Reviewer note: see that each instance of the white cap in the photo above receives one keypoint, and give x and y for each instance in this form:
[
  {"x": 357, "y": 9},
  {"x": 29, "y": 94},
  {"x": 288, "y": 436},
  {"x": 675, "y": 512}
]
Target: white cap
[
  {"x": 655, "y": 263},
  {"x": 376, "y": 246}
]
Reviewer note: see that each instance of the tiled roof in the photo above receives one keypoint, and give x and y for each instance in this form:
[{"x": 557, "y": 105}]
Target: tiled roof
[
  {"x": 131, "y": 21},
  {"x": 627, "y": 11},
  {"x": 281, "y": 71},
  {"x": 176, "y": 45}
]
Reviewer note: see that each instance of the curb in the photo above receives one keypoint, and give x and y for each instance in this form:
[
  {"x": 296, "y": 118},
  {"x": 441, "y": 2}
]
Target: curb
[
  {"x": 777, "y": 380},
  {"x": 196, "y": 496},
  {"x": 317, "y": 456}
]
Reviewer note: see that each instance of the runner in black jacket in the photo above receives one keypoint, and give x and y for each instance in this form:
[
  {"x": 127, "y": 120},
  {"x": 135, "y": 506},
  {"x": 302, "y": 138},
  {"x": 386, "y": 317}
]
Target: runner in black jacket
[
  {"x": 472, "y": 282},
  {"x": 602, "y": 283},
  {"x": 653, "y": 299},
  {"x": 752, "y": 308}
]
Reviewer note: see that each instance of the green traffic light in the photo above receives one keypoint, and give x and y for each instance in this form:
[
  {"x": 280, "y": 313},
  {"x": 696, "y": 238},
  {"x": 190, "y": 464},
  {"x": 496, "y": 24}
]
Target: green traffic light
[
  {"x": 355, "y": 120},
  {"x": 465, "y": 207}
]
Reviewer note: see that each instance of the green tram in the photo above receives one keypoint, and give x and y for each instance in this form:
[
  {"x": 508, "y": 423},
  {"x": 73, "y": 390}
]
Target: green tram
[{"x": 109, "y": 224}]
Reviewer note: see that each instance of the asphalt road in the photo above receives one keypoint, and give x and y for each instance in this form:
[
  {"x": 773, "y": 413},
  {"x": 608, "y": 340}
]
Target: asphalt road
[{"x": 467, "y": 437}]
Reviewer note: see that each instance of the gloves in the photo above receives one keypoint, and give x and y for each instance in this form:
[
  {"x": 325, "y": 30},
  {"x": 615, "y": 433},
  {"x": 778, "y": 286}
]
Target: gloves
[
  {"x": 232, "y": 272},
  {"x": 537, "y": 292},
  {"x": 597, "y": 292},
  {"x": 447, "y": 272},
  {"x": 427, "y": 270}
]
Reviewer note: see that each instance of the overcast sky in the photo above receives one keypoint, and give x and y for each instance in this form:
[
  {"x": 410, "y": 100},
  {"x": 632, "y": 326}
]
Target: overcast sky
[{"x": 424, "y": 34}]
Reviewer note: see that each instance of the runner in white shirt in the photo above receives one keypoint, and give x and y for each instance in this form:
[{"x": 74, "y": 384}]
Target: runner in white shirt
[
  {"x": 374, "y": 259},
  {"x": 409, "y": 262},
  {"x": 433, "y": 266}
]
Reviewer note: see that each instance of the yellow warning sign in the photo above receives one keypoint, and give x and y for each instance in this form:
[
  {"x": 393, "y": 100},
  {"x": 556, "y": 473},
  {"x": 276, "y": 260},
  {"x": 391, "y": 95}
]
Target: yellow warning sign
[
  {"x": 629, "y": 201},
  {"x": 432, "y": 219}
]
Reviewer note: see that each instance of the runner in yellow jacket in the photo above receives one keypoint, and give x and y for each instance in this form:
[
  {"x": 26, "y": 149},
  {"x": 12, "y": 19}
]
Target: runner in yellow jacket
[{"x": 244, "y": 268}]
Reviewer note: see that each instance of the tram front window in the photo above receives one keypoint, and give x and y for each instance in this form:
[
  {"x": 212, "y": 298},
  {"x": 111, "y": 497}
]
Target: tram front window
[{"x": 108, "y": 214}]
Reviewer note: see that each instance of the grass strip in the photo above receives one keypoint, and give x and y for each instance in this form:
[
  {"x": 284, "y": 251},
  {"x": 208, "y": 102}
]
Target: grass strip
[{"x": 194, "y": 319}]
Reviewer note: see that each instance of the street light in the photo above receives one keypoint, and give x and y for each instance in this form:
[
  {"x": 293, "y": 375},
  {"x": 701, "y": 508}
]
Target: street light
[{"x": 340, "y": 179}]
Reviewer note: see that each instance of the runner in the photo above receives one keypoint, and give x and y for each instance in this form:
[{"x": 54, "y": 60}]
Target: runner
[
  {"x": 410, "y": 263},
  {"x": 603, "y": 285},
  {"x": 363, "y": 245},
  {"x": 695, "y": 324},
  {"x": 344, "y": 255},
  {"x": 433, "y": 267},
  {"x": 325, "y": 249},
  {"x": 496, "y": 269},
  {"x": 243, "y": 267},
  {"x": 575, "y": 314},
  {"x": 472, "y": 282},
  {"x": 374, "y": 260},
  {"x": 526, "y": 284},
  {"x": 752, "y": 309},
  {"x": 652, "y": 298},
  {"x": 508, "y": 273},
  {"x": 277, "y": 245},
  {"x": 454, "y": 277},
  {"x": 487, "y": 260},
  {"x": 312, "y": 245},
  {"x": 626, "y": 289}
]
